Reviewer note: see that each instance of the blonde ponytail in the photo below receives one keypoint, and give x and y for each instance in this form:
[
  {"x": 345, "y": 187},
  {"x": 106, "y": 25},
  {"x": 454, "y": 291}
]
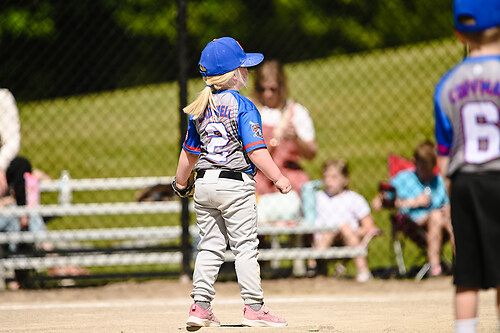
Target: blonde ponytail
[
  {"x": 205, "y": 98},
  {"x": 199, "y": 105}
]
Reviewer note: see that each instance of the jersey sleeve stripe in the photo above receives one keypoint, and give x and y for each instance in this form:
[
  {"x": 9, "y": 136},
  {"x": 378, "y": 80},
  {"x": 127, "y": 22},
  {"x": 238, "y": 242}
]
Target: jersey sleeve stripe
[
  {"x": 252, "y": 144},
  {"x": 194, "y": 150},
  {"x": 443, "y": 150}
]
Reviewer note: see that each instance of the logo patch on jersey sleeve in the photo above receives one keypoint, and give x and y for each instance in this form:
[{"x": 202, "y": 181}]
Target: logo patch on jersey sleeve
[{"x": 257, "y": 131}]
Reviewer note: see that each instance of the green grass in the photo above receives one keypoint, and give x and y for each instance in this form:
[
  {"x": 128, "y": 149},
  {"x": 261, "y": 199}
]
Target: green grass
[{"x": 364, "y": 106}]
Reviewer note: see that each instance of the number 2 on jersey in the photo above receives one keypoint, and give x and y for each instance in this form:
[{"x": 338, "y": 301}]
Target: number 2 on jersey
[
  {"x": 481, "y": 131},
  {"x": 219, "y": 138}
]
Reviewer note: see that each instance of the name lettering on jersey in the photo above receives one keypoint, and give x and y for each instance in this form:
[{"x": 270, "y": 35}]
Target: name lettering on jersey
[
  {"x": 221, "y": 111},
  {"x": 257, "y": 131},
  {"x": 474, "y": 87}
]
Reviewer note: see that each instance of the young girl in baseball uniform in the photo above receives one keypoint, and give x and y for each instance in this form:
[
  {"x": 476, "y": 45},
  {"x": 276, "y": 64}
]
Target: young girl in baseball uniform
[{"x": 225, "y": 146}]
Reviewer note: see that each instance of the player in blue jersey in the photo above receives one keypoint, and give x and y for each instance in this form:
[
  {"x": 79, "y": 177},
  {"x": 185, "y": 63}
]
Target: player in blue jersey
[
  {"x": 224, "y": 145},
  {"x": 467, "y": 112}
]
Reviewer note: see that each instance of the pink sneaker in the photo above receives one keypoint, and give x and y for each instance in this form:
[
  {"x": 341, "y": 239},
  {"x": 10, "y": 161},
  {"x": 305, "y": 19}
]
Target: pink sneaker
[
  {"x": 261, "y": 318},
  {"x": 202, "y": 318}
]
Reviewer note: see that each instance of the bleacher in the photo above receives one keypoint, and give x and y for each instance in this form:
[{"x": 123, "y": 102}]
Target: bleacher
[{"x": 130, "y": 245}]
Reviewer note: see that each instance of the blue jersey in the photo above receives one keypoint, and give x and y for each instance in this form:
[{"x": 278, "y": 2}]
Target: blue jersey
[
  {"x": 409, "y": 186},
  {"x": 223, "y": 136},
  {"x": 467, "y": 114}
]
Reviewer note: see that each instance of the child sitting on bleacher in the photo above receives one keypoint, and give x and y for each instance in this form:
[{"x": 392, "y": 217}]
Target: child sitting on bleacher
[{"x": 346, "y": 212}]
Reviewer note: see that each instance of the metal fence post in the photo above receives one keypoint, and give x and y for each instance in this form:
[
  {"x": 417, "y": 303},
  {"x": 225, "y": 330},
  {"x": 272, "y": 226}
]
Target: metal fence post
[{"x": 186, "y": 247}]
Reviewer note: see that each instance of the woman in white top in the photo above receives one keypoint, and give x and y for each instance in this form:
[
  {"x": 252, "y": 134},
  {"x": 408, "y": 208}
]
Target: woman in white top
[{"x": 287, "y": 127}]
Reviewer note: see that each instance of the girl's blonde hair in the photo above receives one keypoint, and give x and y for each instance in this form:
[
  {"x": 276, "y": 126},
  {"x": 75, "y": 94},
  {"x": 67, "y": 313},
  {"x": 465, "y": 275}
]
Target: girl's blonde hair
[{"x": 206, "y": 98}]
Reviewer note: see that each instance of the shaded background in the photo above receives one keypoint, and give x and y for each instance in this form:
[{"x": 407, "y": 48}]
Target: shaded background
[
  {"x": 55, "y": 48},
  {"x": 95, "y": 81}
]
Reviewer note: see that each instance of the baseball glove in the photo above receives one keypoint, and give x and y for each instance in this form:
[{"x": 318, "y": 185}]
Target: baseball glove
[{"x": 185, "y": 192}]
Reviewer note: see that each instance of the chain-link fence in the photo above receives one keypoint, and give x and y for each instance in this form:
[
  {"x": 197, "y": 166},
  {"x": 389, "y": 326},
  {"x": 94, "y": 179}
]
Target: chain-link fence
[{"x": 97, "y": 87}]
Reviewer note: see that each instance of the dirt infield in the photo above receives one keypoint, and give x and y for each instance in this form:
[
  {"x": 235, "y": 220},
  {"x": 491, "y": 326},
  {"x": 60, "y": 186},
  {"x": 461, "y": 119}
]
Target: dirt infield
[{"x": 310, "y": 305}]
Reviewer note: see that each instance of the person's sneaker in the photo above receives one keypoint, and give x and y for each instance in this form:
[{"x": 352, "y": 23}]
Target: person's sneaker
[
  {"x": 364, "y": 276},
  {"x": 436, "y": 270},
  {"x": 201, "y": 318},
  {"x": 261, "y": 318},
  {"x": 311, "y": 272}
]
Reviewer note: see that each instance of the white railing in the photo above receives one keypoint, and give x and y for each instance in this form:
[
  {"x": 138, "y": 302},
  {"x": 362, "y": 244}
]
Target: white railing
[{"x": 66, "y": 186}]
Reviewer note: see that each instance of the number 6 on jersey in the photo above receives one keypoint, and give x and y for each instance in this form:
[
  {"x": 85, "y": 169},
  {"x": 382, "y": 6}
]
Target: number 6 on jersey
[{"x": 481, "y": 131}]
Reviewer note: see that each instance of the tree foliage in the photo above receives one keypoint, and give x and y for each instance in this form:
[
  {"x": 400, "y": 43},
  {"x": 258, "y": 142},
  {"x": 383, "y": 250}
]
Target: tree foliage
[
  {"x": 55, "y": 48},
  {"x": 32, "y": 20}
]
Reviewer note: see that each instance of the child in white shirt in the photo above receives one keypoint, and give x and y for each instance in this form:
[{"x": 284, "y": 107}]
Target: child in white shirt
[{"x": 346, "y": 212}]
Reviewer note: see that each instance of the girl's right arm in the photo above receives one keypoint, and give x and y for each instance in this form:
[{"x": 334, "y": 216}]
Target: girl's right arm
[
  {"x": 187, "y": 161},
  {"x": 262, "y": 160}
]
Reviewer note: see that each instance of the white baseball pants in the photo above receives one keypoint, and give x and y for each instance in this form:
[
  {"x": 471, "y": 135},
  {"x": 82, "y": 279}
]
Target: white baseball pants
[{"x": 226, "y": 211}]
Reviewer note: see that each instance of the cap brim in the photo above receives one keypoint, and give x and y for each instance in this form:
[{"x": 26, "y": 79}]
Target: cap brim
[{"x": 252, "y": 59}]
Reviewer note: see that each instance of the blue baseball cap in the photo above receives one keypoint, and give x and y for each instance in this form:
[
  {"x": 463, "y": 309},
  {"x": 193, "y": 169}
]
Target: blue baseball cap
[
  {"x": 225, "y": 54},
  {"x": 486, "y": 13}
]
